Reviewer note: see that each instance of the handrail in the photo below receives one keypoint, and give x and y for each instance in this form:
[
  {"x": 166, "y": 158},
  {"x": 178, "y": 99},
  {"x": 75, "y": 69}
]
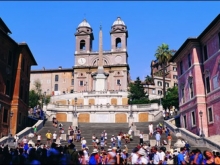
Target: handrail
[{"x": 191, "y": 137}]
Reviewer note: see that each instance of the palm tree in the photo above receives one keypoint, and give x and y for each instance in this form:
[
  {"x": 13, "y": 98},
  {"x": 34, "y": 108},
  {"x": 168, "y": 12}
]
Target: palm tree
[{"x": 163, "y": 55}]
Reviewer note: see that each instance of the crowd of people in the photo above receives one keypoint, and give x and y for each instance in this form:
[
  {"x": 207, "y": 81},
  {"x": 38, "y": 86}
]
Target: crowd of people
[
  {"x": 105, "y": 150},
  {"x": 36, "y": 112}
]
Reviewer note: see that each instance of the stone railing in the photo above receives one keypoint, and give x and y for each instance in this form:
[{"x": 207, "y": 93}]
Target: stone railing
[
  {"x": 123, "y": 108},
  {"x": 191, "y": 137},
  {"x": 24, "y": 132},
  {"x": 158, "y": 115}
]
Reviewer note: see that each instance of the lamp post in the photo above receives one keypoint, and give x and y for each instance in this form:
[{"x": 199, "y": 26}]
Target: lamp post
[
  {"x": 75, "y": 115},
  {"x": 119, "y": 86},
  {"x": 44, "y": 98},
  {"x": 131, "y": 108},
  {"x": 202, "y": 133},
  {"x": 86, "y": 85},
  {"x": 160, "y": 98},
  {"x": 9, "y": 134}
]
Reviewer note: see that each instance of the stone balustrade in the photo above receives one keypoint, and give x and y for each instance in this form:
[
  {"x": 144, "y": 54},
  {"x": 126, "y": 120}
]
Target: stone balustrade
[
  {"x": 191, "y": 137},
  {"x": 123, "y": 108},
  {"x": 24, "y": 132}
]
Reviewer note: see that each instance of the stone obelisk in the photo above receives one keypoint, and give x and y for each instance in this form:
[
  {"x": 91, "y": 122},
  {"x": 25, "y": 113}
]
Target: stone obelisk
[{"x": 100, "y": 83}]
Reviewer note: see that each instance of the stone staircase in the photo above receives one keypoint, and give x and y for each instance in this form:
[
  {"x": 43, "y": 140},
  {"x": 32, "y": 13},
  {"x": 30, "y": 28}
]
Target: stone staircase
[
  {"x": 143, "y": 127},
  {"x": 88, "y": 129}
]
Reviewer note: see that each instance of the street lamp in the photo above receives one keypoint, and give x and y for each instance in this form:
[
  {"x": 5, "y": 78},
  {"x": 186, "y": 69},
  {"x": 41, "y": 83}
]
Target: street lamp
[
  {"x": 202, "y": 133},
  {"x": 10, "y": 135},
  {"x": 119, "y": 84},
  {"x": 44, "y": 98},
  {"x": 160, "y": 98},
  {"x": 86, "y": 85},
  {"x": 75, "y": 115},
  {"x": 131, "y": 108}
]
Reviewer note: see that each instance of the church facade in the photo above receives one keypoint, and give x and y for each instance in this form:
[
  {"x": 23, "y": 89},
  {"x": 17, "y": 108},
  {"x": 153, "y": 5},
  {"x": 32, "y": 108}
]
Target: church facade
[{"x": 82, "y": 76}]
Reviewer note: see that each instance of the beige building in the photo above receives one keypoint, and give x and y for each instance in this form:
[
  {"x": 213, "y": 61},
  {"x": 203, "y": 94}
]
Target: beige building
[
  {"x": 82, "y": 76},
  {"x": 155, "y": 88}
]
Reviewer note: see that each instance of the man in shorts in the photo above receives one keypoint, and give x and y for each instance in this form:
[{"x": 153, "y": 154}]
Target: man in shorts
[{"x": 48, "y": 136}]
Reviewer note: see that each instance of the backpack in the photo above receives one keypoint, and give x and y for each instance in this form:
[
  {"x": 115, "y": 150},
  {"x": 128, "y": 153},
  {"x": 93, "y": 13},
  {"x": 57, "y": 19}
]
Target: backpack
[{"x": 92, "y": 160}]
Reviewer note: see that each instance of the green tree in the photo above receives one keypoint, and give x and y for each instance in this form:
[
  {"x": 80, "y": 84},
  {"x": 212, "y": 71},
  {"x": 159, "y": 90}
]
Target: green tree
[
  {"x": 163, "y": 55},
  {"x": 171, "y": 98},
  {"x": 33, "y": 98},
  {"x": 37, "y": 87},
  {"x": 137, "y": 93},
  {"x": 36, "y": 97}
]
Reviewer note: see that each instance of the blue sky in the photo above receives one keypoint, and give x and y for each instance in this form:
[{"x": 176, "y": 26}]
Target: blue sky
[{"x": 49, "y": 27}]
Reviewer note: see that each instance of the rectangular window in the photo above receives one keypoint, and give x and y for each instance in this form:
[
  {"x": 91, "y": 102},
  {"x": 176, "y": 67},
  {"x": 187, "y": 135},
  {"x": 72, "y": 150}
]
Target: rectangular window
[
  {"x": 10, "y": 56},
  {"x": 56, "y": 87},
  {"x": 210, "y": 115},
  {"x": 184, "y": 121},
  {"x": 183, "y": 97},
  {"x": 191, "y": 90},
  {"x": 159, "y": 83},
  {"x": 207, "y": 84},
  {"x": 175, "y": 84},
  {"x": 174, "y": 68},
  {"x": 153, "y": 91},
  {"x": 72, "y": 82},
  {"x": 160, "y": 92},
  {"x": 118, "y": 82},
  {"x": 215, "y": 82},
  {"x": 81, "y": 83},
  {"x": 193, "y": 118},
  {"x": 181, "y": 67},
  {"x": 5, "y": 116},
  {"x": 175, "y": 77},
  {"x": 189, "y": 60},
  {"x": 167, "y": 85},
  {"x": 56, "y": 77},
  {"x": 205, "y": 53}
]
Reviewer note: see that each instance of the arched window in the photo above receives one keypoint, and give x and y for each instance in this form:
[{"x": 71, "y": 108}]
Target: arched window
[
  {"x": 82, "y": 45},
  {"x": 118, "y": 43}
]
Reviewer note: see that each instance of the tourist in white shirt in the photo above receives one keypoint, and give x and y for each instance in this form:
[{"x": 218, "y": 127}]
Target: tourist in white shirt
[
  {"x": 86, "y": 155},
  {"x": 54, "y": 136},
  {"x": 161, "y": 155},
  {"x": 25, "y": 140},
  {"x": 113, "y": 141},
  {"x": 141, "y": 138},
  {"x": 83, "y": 142},
  {"x": 142, "y": 157},
  {"x": 151, "y": 129},
  {"x": 130, "y": 132},
  {"x": 16, "y": 138},
  {"x": 38, "y": 138},
  {"x": 134, "y": 156},
  {"x": 156, "y": 158}
]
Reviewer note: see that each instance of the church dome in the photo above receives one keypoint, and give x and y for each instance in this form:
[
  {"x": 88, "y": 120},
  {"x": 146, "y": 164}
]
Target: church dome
[
  {"x": 84, "y": 23},
  {"x": 118, "y": 22}
]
